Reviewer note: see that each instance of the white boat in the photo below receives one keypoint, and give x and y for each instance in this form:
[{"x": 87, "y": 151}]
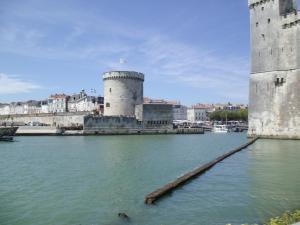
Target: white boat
[{"x": 220, "y": 129}]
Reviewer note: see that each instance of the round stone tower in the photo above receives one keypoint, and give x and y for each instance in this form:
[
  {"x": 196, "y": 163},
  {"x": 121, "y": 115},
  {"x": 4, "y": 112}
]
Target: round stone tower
[{"x": 123, "y": 90}]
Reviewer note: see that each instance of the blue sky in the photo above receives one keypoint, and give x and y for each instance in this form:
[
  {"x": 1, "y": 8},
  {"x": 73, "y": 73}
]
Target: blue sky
[{"x": 191, "y": 51}]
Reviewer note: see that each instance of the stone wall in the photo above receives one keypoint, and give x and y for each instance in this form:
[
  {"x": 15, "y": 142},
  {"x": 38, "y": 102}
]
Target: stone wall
[
  {"x": 274, "y": 105},
  {"x": 110, "y": 124},
  {"x": 157, "y": 116},
  {"x": 123, "y": 90},
  {"x": 125, "y": 125},
  {"x": 59, "y": 119}
]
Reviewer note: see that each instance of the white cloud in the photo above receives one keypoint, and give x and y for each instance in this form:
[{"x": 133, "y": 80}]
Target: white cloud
[
  {"x": 95, "y": 39},
  {"x": 13, "y": 85},
  {"x": 196, "y": 67}
]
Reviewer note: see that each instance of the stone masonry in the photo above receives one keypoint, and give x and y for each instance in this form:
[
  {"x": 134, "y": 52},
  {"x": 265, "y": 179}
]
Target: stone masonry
[{"x": 274, "y": 107}]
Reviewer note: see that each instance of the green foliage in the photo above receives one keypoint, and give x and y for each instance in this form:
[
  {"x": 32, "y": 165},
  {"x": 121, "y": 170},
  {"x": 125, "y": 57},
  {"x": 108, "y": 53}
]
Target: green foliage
[
  {"x": 286, "y": 219},
  {"x": 222, "y": 115}
]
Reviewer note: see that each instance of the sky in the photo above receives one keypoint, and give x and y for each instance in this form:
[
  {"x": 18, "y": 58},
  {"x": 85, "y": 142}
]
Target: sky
[{"x": 191, "y": 51}]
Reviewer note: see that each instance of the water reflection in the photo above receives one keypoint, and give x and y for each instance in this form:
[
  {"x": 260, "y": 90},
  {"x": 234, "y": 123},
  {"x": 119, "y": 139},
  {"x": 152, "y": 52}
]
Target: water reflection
[{"x": 274, "y": 172}]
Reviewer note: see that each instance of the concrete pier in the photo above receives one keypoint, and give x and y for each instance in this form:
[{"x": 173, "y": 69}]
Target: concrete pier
[
  {"x": 38, "y": 131},
  {"x": 161, "y": 192}
]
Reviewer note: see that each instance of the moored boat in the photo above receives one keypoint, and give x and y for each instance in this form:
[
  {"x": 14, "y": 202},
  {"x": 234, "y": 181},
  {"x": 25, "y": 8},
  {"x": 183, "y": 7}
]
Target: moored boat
[
  {"x": 220, "y": 129},
  {"x": 7, "y": 133}
]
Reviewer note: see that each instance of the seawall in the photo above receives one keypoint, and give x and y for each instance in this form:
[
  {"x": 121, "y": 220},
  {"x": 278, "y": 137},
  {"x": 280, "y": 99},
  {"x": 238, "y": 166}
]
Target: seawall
[{"x": 57, "y": 120}]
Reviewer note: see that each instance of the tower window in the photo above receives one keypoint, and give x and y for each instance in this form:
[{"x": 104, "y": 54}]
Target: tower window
[
  {"x": 107, "y": 104},
  {"x": 110, "y": 90},
  {"x": 269, "y": 20},
  {"x": 262, "y": 8},
  {"x": 256, "y": 24},
  {"x": 279, "y": 81}
]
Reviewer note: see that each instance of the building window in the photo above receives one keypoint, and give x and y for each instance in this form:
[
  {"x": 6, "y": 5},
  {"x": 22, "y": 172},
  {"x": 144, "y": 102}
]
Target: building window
[
  {"x": 107, "y": 104},
  {"x": 257, "y": 24},
  {"x": 269, "y": 20},
  {"x": 110, "y": 90}
]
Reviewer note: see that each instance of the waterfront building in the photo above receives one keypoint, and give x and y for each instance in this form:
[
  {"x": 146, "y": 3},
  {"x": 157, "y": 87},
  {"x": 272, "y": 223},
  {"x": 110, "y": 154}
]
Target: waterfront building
[
  {"x": 155, "y": 115},
  {"x": 199, "y": 112},
  {"x": 58, "y": 103},
  {"x": 274, "y": 107},
  {"x": 20, "y": 108},
  {"x": 45, "y": 107},
  {"x": 179, "y": 112},
  {"x": 16, "y": 108},
  {"x": 4, "y": 109},
  {"x": 231, "y": 107},
  {"x": 83, "y": 103},
  {"x": 32, "y": 107}
]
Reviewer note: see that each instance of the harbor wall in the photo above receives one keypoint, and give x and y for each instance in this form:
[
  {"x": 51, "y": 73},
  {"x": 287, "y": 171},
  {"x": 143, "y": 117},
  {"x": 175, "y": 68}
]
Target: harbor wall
[
  {"x": 119, "y": 125},
  {"x": 97, "y": 125},
  {"x": 38, "y": 130},
  {"x": 58, "y": 119}
]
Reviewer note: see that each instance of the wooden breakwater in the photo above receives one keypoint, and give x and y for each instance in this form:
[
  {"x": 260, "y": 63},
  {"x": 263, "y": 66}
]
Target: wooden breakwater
[{"x": 159, "y": 193}]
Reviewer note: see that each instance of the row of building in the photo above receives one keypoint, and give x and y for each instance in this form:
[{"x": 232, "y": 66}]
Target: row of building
[
  {"x": 197, "y": 112},
  {"x": 81, "y": 102},
  {"x": 57, "y": 103}
]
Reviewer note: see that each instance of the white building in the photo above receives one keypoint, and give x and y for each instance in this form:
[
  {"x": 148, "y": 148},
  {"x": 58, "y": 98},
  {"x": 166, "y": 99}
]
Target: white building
[
  {"x": 4, "y": 109},
  {"x": 16, "y": 108},
  {"x": 45, "y": 108},
  {"x": 83, "y": 103},
  {"x": 57, "y": 103},
  {"x": 198, "y": 113},
  {"x": 32, "y": 107}
]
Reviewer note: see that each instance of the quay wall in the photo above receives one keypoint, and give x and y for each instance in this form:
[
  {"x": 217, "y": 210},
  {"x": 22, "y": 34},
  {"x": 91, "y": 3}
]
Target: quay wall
[
  {"x": 115, "y": 125},
  {"x": 58, "y": 119},
  {"x": 38, "y": 130},
  {"x": 97, "y": 125}
]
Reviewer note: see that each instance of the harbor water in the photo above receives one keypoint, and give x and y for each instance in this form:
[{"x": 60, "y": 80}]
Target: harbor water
[{"x": 89, "y": 180}]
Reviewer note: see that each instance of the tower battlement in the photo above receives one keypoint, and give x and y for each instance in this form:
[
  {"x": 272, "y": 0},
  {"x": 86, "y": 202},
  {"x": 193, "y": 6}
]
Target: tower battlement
[
  {"x": 123, "y": 74},
  {"x": 255, "y": 3}
]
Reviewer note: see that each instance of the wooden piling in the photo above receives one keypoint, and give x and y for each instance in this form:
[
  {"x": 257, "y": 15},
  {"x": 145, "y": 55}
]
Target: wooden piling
[{"x": 159, "y": 193}]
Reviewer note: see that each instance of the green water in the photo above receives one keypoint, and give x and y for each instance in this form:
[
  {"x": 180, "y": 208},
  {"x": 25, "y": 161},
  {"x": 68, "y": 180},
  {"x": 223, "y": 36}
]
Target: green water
[{"x": 89, "y": 180}]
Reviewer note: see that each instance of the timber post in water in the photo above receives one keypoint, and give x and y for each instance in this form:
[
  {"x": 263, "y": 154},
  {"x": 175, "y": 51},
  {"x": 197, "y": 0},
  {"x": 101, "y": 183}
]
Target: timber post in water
[{"x": 161, "y": 192}]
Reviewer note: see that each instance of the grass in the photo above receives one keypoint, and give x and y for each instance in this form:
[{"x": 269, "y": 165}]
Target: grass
[{"x": 287, "y": 218}]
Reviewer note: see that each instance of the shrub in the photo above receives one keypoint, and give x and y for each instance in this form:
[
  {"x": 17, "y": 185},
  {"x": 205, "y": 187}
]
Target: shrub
[{"x": 287, "y": 218}]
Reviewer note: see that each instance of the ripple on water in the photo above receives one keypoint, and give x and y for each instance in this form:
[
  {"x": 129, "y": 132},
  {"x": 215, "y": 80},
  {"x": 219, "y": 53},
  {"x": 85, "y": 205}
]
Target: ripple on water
[{"x": 89, "y": 180}]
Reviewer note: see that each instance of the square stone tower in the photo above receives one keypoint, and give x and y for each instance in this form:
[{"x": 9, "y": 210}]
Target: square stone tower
[{"x": 274, "y": 107}]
